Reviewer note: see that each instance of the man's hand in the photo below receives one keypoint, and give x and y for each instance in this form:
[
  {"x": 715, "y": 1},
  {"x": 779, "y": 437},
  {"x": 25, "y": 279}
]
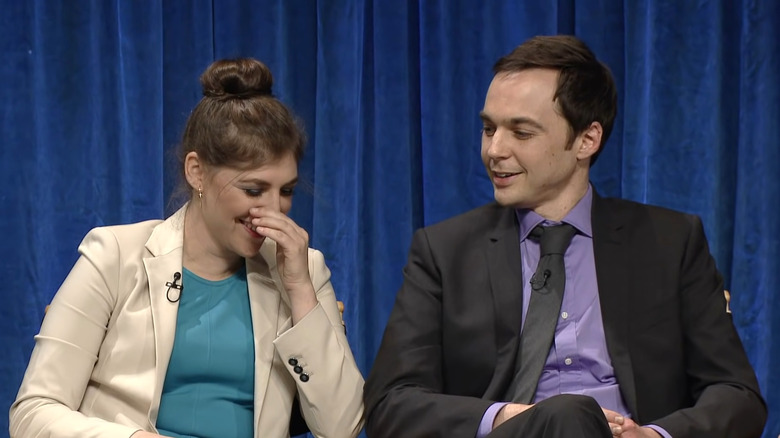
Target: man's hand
[
  {"x": 626, "y": 428},
  {"x": 509, "y": 411}
]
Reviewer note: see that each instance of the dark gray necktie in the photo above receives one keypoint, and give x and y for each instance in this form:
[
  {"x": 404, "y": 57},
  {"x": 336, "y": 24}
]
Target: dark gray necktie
[{"x": 546, "y": 295}]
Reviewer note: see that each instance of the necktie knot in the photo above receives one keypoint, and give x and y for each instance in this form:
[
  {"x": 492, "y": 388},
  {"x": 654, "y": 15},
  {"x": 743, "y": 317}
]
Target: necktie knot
[{"x": 554, "y": 239}]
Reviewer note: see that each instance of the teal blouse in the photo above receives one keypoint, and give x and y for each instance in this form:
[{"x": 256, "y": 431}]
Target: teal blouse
[{"x": 209, "y": 386}]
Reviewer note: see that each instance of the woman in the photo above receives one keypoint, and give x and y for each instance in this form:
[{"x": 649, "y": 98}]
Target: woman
[{"x": 216, "y": 322}]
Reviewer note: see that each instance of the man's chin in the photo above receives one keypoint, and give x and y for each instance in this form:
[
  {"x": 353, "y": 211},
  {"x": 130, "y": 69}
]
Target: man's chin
[{"x": 506, "y": 200}]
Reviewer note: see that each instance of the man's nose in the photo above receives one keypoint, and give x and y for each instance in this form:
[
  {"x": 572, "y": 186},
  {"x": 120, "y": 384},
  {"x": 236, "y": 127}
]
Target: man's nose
[{"x": 497, "y": 146}]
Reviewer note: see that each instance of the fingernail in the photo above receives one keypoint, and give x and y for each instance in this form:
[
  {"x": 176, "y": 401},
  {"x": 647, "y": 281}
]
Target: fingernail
[
  {"x": 616, "y": 429},
  {"x": 619, "y": 419}
]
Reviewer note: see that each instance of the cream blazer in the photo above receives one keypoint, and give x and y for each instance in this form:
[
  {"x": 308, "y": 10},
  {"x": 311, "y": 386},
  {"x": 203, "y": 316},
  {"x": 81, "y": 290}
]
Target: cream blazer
[{"x": 99, "y": 362}]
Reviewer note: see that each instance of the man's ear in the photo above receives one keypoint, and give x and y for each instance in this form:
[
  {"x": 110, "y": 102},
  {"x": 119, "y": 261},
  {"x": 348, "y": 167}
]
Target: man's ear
[
  {"x": 590, "y": 141},
  {"x": 193, "y": 170}
]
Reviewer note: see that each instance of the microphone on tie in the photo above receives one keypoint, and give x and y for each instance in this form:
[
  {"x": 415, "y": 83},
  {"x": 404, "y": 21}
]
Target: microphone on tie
[
  {"x": 175, "y": 286},
  {"x": 538, "y": 283}
]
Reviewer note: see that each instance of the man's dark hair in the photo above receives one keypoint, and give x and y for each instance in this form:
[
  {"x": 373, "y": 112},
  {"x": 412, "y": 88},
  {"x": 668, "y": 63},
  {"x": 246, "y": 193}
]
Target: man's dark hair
[{"x": 586, "y": 89}]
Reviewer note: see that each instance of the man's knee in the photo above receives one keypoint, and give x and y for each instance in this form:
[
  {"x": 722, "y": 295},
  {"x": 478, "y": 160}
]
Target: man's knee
[
  {"x": 569, "y": 406},
  {"x": 560, "y": 416}
]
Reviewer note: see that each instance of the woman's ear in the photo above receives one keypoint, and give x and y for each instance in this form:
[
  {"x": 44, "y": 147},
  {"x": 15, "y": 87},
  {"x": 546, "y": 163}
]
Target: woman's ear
[
  {"x": 193, "y": 170},
  {"x": 590, "y": 141}
]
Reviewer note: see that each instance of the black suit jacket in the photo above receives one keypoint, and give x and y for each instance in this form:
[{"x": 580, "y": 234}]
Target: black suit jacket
[{"x": 449, "y": 348}]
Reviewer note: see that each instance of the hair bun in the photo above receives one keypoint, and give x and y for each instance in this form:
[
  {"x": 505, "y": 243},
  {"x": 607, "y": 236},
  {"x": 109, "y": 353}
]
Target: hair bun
[{"x": 236, "y": 78}]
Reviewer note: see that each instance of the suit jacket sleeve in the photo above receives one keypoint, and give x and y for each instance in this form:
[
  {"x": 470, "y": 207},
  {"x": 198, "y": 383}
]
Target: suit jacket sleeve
[
  {"x": 727, "y": 401},
  {"x": 331, "y": 398},
  {"x": 66, "y": 350},
  {"x": 404, "y": 393}
]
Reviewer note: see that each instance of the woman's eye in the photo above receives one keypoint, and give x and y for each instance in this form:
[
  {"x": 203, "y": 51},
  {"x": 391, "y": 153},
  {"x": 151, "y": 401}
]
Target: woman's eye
[
  {"x": 253, "y": 192},
  {"x": 288, "y": 191}
]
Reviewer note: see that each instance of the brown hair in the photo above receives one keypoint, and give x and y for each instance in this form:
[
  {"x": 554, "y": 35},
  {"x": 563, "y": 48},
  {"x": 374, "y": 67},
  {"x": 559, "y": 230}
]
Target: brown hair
[
  {"x": 238, "y": 123},
  {"x": 586, "y": 89}
]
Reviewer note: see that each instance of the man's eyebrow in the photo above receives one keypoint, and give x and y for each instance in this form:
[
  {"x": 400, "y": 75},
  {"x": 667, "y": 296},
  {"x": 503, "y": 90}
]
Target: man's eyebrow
[
  {"x": 515, "y": 121},
  {"x": 526, "y": 121}
]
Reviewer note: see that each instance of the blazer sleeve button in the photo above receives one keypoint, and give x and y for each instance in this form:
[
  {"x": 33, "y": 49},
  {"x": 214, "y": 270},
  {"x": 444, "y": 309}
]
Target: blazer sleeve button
[
  {"x": 304, "y": 377},
  {"x": 293, "y": 361},
  {"x": 298, "y": 369}
]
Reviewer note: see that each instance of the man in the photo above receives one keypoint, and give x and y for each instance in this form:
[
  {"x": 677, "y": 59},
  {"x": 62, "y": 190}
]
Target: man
[{"x": 638, "y": 343}]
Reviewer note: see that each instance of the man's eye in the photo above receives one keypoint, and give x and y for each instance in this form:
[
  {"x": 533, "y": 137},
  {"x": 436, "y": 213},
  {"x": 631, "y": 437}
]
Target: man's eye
[
  {"x": 488, "y": 130},
  {"x": 522, "y": 135}
]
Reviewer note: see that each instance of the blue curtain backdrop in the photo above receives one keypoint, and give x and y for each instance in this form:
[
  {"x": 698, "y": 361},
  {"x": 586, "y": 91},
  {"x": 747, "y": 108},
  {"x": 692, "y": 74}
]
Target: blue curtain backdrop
[{"x": 95, "y": 94}]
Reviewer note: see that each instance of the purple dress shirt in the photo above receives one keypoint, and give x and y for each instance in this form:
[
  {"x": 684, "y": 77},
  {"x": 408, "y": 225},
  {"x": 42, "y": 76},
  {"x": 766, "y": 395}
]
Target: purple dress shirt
[{"x": 578, "y": 362}]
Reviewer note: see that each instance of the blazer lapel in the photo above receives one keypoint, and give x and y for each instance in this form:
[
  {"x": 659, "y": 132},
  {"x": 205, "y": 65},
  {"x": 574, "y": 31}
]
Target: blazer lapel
[
  {"x": 165, "y": 246},
  {"x": 506, "y": 284},
  {"x": 268, "y": 318},
  {"x": 611, "y": 255}
]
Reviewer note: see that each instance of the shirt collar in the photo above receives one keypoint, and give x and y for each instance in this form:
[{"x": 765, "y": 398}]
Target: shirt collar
[{"x": 579, "y": 217}]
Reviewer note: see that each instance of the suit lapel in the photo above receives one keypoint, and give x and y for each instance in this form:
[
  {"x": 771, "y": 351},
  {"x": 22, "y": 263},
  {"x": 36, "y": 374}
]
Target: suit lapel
[
  {"x": 612, "y": 254},
  {"x": 269, "y": 318},
  {"x": 506, "y": 285},
  {"x": 165, "y": 247}
]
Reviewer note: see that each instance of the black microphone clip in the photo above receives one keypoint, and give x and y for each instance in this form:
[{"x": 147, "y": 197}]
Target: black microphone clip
[
  {"x": 538, "y": 283},
  {"x": 173, "y": 285}
]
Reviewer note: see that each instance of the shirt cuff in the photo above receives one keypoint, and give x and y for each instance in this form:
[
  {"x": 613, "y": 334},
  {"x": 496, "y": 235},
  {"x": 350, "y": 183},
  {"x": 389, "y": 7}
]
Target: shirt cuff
[
  {"x": 486, "y": 425},
  {"x": 660, "y": 430}
]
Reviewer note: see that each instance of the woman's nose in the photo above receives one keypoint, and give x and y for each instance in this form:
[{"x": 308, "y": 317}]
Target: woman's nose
[{"x": 273, "y": 201}]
